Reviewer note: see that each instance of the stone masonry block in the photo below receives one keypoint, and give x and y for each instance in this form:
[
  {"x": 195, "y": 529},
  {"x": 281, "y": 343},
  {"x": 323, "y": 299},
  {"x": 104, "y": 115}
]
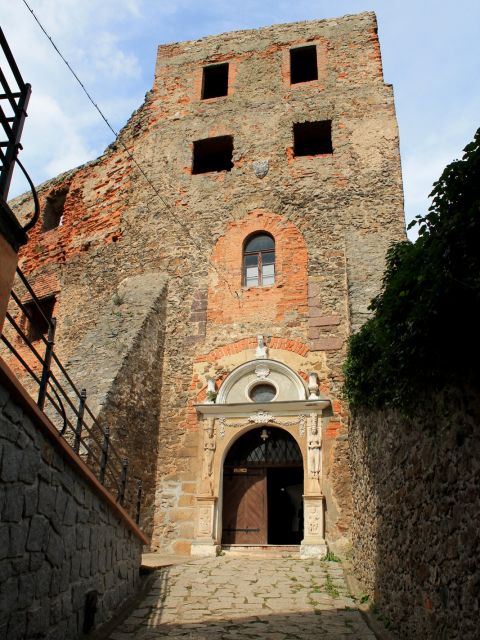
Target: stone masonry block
[
  {"x": 26, "y": 591},
  {"x": 4, "y": 396},
  {"x": 20, "y": 565},
  {"x": 38, "y": 533},
  {"x": 13, "y": 507},
  {"x": 17, "y": 625},
  {"x": 9, "y": 594},
  {"x": 8, "y": 431},
  {"x": 314, "y": 312},
  {"x": 324, "y": 321},
  {"x": 37, "y": 622},
  {"x": 42, "y": 580},
  {"x": 55, "y": 551},
  {"x": 13, "y": 412},
  {"x": 4, "y": 541},
  {"x": 30, "y": 466},
  {"x": 11, "y": 462},
  {"x": 47, "y": 496},
  {"x": 326, "y": 344},
  {"x": 18, "y": 539}
]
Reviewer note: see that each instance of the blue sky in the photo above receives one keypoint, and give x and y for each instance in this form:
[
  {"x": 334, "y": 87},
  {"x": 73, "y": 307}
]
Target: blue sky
[{"x": 430, "y": 50}]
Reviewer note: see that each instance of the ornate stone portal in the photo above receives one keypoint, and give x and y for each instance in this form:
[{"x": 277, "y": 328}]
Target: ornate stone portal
[{"x": 228, "y": 419}]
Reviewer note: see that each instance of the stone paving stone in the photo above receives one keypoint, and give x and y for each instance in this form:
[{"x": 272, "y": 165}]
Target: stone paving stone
[{"x": 246, "y": 599}]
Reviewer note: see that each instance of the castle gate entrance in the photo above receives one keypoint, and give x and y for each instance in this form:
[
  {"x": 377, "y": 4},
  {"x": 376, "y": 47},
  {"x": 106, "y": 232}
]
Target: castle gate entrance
[{"x": 263, "y": 489}]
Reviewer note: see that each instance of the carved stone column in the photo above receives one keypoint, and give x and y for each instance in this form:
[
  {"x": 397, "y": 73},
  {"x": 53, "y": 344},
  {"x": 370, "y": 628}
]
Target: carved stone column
[
  {"x": 205, "y": 534},
  {"x": 313, "y": 544}
]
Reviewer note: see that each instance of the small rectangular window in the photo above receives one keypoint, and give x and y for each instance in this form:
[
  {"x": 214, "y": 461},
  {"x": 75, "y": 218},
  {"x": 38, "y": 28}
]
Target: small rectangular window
[
  {"x": 215, "y": 81},
  {"x": 312, "y": 138},
  {"x": 303, "y": 64},
  {"x": 213, "y": 154},
  {"x": 37, "y": 322}
]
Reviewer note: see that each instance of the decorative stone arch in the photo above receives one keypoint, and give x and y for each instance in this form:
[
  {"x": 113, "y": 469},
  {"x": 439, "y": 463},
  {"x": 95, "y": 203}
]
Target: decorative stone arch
[
  {"x": 288, "y": 383},
  {"x": 275, "y": 431},
  {"x": 232, "y": 416}
]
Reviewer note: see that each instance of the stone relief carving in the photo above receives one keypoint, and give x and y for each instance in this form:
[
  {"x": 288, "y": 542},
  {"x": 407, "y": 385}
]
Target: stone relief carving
[
  {"x": 260, "y": 168},
  {"x": 263, "y": 417},
  {"x": 262, "y": 371},
  {"x": 209, "y": 446},
  {"x": 204, "y": 521},
  {"x": 301, "y": 425},
  {"x": 314, "y": 447},
  {"x": 313, "y": 521},
  {"x": 260, "y": 417}
]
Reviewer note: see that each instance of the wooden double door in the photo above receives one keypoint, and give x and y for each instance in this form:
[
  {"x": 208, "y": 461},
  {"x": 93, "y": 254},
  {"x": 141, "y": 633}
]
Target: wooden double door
[{"x": 262, "y": 505}]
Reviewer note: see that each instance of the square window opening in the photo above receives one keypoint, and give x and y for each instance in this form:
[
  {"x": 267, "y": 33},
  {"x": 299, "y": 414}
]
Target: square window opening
[
  {"x": 53, "y": 210},
  {"x": 213, "y": 154},
  {"x": 303, "y": 64},
  {"x": 312, "y": 138},
  {"x": 37, "y": 323},
  {"x": 215, "y": 81}
]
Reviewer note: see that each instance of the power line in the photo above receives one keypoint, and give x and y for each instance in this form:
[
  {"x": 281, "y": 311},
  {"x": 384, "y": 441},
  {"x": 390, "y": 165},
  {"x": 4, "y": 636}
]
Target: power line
[{"x": 166, "y": 204}]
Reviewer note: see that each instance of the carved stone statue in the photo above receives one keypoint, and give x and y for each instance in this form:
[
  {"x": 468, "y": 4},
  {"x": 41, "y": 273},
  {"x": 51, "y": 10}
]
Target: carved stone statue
[
  {"x": 314, "y": 447},
  {"x": 209, "y": 446},
  {"x": 261, "y": 351}
]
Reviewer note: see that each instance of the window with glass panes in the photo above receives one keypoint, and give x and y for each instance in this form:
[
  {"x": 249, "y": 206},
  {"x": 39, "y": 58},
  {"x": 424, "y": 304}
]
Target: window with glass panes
[{"x": 259, "y": 261}]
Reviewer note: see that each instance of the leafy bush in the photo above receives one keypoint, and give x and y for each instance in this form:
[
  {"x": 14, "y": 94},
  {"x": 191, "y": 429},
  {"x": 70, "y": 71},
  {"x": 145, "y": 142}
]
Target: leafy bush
[{"x": 424, "y": 332}]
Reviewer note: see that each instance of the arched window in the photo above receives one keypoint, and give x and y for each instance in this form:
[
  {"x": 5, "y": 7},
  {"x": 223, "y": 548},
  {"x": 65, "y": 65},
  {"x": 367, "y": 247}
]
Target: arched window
[{"x": 259, "y": 261}]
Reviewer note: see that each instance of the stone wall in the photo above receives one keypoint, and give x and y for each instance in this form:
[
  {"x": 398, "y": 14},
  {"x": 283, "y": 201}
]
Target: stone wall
[
  {"x": 332, "y": 216},
  {"x": 59, "y": 537},
  {"x": 416, "y": 504}
]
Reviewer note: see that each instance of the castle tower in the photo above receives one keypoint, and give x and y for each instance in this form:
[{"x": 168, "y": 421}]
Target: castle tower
[{"x": 207, "y": 312}]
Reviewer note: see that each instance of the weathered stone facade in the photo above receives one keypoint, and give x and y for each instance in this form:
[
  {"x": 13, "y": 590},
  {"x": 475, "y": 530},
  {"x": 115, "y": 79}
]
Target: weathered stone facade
[
  {"x": 332, "y": 216},
  {"x": 59, "y": 538},
  {"x": 415, "y": 515}
]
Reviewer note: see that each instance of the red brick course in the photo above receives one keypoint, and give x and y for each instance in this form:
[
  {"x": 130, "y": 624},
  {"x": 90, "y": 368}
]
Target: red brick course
[{"x": 289, "y": 293}]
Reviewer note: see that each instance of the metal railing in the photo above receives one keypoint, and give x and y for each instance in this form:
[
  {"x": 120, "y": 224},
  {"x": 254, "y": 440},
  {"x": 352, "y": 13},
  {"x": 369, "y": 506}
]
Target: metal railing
[
  {"x": 14, "y": 98},
  {"x": 43, "y": 375}
]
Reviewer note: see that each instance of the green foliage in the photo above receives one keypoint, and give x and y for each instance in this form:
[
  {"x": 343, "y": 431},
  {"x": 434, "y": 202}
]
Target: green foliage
[
  {"x": 424, "y": 333},
  {"x": 331, "y": 557},
  {"x": 330, "y": 588},
  {"x": 212, "y": 395}
]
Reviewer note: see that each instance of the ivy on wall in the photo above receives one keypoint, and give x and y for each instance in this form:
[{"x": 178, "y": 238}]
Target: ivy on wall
[{"x": 425, "y": 330}]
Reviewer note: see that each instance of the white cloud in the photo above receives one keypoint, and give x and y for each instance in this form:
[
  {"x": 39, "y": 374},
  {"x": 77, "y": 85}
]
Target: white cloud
[
  {"x": 111, "y": 44},
  {"x": 425, "y": 158},
  {"x": 111, "y": 61}
]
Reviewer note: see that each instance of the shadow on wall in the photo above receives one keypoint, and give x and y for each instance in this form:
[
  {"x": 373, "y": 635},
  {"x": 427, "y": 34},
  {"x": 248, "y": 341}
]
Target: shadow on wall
[
  {"x": 120, "y": 363},
  {"x": 415, "y": 523}
]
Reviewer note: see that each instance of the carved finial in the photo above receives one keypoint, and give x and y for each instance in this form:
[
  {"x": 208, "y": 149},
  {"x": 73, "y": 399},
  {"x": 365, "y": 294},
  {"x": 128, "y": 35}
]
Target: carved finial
[
  {"x": 211, "y": 391},
  {"x": 313, "y": 386}
]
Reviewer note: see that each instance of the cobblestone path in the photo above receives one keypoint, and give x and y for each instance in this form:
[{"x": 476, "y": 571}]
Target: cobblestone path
[{"x": 238, "y": 598}]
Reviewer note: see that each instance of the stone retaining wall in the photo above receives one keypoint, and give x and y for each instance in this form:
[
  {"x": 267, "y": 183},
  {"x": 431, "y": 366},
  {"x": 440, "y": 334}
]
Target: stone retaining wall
[
  {"x": 415, "y": 524},
  {"x": 59, "y": 538}
]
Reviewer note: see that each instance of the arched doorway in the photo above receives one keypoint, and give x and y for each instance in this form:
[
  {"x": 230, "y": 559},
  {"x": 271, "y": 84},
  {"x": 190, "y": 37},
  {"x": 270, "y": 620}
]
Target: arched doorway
[{"x": 263, "y": 489}]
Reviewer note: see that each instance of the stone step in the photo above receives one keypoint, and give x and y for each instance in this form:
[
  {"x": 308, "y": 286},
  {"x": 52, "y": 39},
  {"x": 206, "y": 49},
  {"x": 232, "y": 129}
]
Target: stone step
[{"x": 262, "y": 550}]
